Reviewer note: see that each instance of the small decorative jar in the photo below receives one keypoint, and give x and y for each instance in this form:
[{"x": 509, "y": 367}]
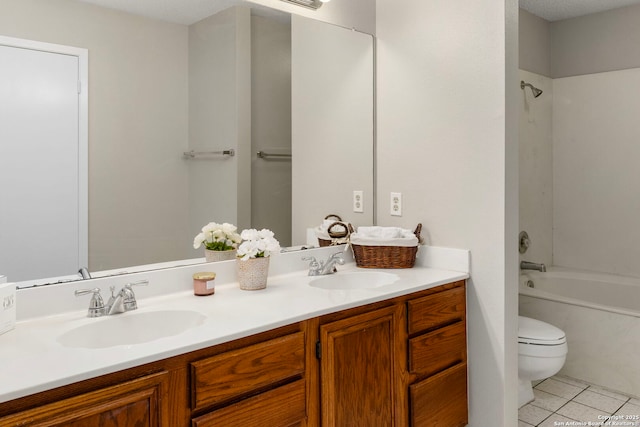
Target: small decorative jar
[{"x": 204, "y": 283}]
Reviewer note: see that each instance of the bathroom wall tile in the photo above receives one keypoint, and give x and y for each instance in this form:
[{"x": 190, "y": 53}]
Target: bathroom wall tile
[
  {"x": 532, "y": 414},
  {"x": 579, "y": 412},
  {"x": 556, "y": 420},
  {"x": 548, "y": 401},
  {"x": 559, "y": 388},
  {"x": 606, "y": 404}
]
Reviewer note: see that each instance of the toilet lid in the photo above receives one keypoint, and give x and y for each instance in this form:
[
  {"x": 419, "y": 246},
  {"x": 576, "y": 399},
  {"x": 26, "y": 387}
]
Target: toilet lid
[{"x": 532, "y": 331}]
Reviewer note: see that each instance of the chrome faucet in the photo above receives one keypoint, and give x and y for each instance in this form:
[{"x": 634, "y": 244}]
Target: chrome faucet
[
  {"x": 526, "y": 265},
  {"x": 125, "y": 300},
  {"x": 324, "y": 267},
  {"x": 84, "y": 273},
  {"x": 96, "y": 305}
]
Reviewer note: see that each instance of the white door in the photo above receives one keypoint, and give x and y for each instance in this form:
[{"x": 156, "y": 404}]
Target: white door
[{"x": 40, "y": 167}]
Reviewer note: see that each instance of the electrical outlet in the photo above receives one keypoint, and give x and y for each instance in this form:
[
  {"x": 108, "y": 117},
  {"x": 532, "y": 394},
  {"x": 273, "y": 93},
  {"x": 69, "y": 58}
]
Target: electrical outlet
[
  {"x": 8, "y": 302},
  {"x": 358, "y": 201},
  {"x": 396, "y": 204}
]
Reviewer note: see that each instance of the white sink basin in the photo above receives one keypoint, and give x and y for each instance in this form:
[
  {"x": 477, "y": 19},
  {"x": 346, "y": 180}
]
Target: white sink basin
[
  {"x": 131, "y": 328},
  {"x": 354, "y": 280}
]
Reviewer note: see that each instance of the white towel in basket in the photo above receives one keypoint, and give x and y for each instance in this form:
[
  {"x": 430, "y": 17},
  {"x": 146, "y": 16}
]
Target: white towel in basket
[{"x": 384, "y": 236}]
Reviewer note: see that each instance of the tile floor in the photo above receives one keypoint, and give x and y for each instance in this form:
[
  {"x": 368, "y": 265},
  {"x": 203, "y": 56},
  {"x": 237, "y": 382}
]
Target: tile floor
[{"x": 562, "y": 401}]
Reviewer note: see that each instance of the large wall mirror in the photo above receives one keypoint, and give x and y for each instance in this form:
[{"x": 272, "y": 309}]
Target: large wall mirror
[{"x": 248, "y": 79}]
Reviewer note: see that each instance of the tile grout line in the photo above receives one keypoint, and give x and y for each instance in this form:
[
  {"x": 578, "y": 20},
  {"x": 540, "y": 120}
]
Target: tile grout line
[{"x": 588, "y": 387}]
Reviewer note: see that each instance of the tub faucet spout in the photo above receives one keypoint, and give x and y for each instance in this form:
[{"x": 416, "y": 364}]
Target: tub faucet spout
[{"x": 526, "y": 265}]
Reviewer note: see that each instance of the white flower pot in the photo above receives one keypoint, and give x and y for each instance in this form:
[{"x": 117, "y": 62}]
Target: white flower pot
[
  {"x": 213, "y": 256},
  {"x": 252, "y": 273}
]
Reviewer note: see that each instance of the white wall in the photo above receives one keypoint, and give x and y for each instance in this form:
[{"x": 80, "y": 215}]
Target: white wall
[
  {"x": 136, "y": 132},
  {"x": 448, "y": 141},
  {"x": 596, "y": 175},
  {"x": 536, "y": 168}
]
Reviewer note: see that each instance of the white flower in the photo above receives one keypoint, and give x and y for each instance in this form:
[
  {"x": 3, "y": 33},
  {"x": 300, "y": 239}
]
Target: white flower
[
  {"x": 197, "y": 241},
  {"x": 210, "y": 228},
  {"x": 257, "y": 244},
  {"x": 228, "y": 228},
  {"x": 218, "y": 237}
]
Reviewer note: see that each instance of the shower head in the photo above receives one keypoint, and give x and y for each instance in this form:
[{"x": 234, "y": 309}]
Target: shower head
[{"x": 536, "y": 92}]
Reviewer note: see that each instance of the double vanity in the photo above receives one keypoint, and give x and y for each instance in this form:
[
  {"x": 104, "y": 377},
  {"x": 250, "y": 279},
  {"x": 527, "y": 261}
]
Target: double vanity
[{"x": 358, "y": 347}]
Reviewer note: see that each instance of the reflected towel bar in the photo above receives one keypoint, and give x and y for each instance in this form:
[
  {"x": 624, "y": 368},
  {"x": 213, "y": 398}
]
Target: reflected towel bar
[
  {"x": 264, "y": 155},
  {"x": 193, "y": 154}
]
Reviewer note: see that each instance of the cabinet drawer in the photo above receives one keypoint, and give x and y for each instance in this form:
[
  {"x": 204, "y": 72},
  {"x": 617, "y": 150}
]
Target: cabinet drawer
[
  {"x": 436, "y": 310},
  {"x": 438, "y": 350},
  {"x": 234, "y": 373},
  {"x": 440, "y": 400},
  {"x": 282, "y": 406}
]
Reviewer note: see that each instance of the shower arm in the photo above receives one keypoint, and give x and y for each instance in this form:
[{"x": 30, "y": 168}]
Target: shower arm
[{"x": 536, "y": 92}]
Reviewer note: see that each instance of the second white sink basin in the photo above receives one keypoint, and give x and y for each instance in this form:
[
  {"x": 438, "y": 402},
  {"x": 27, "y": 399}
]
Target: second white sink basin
[
  {"x": 131, "y": 328},
  {"x": 354, "y": 280}
]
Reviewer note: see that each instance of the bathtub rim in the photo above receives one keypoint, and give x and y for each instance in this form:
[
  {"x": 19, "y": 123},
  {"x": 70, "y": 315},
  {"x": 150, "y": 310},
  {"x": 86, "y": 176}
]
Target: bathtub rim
[{"x": 563, "y": 272}]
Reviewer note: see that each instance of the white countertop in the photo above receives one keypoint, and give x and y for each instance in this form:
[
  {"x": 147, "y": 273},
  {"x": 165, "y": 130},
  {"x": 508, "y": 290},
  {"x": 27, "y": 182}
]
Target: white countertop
[{"x": 32, "y": 360}]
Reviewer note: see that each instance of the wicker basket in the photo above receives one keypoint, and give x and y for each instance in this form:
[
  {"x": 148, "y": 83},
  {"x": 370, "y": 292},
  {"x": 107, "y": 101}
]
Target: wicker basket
[
  {"x": 335, "y": 234},
  {"x": 386, "y": 256}
]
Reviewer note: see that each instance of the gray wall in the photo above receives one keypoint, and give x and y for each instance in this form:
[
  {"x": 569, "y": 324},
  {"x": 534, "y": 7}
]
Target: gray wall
[
  {"x": 605, "y": 41},
  {"x": 271, "y": 125},
  {"x": 220, "y": 118},
  {"x": 535, "y": 44}
]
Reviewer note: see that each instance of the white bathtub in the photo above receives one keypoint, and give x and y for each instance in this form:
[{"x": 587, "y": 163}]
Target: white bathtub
[{"x": 600, "y": 314}]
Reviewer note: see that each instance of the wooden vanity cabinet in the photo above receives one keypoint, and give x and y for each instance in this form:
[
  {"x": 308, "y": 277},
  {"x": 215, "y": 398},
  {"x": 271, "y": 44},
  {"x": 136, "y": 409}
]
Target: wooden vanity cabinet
[{"x": 399, "y": 362}]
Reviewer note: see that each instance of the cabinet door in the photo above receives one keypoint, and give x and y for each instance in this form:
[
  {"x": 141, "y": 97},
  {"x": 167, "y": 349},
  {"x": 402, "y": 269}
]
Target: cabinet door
[
  {"x": 134, "y": 403},
  {"x": 360, "y": 372}
]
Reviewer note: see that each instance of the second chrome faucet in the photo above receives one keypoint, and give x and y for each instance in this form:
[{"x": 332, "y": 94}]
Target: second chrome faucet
[{"x": 324, "y": 267}]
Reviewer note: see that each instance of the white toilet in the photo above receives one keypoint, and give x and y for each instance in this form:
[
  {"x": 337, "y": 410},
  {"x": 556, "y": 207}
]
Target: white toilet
[{"x": 542, "y": 350}]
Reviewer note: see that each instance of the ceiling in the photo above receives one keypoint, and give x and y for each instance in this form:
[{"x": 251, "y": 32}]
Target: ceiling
[
  {"x": 178, "y": 11},
  {"x": 556, "y": 10},
  {"x": 189, "y": 11}
]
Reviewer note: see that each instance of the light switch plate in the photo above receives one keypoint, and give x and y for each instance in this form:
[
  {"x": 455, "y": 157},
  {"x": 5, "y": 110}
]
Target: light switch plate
[
  {"x": 396, "y": 204},
  {"x": 358, "y": 201}
]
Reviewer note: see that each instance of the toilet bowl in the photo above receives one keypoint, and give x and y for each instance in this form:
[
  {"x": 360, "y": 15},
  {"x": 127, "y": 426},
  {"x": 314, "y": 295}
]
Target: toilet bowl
[{"x": 542, "y": 351}]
